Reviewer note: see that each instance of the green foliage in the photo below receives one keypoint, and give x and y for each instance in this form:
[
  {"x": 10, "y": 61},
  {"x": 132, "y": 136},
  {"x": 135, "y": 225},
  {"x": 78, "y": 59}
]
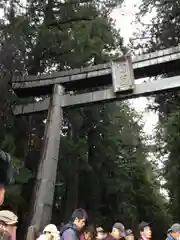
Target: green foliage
[
  {"x": 117, "y": 182},
  {"x": 21, "y": 174},
  {"x": 169, "y": 134},
  {"x": 103, "y": 164},
  {"x": 164, "y": 32}
]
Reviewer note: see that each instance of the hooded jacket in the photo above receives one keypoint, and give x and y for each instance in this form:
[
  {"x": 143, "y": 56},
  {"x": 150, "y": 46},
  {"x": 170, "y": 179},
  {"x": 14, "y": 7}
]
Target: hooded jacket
[{"x": 69, "y": 232}]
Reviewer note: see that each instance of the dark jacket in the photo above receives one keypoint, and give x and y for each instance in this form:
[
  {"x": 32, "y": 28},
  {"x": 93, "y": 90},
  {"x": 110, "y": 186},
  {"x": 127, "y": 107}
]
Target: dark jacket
[
  {"x": 109, "y": 237},
  {"x": 69, "y": 232}
]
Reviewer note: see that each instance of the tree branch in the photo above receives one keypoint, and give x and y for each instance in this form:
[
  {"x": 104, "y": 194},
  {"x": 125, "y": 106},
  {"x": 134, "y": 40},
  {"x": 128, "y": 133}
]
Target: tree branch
[{"x": 67, "y": 21}]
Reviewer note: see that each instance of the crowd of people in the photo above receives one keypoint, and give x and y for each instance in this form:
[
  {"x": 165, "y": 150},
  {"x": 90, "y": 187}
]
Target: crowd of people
[{"x": 78, "y": 229}]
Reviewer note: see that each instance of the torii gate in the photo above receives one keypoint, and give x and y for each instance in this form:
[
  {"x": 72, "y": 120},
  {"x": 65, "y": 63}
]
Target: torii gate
[{"x": 114, "y": 80}]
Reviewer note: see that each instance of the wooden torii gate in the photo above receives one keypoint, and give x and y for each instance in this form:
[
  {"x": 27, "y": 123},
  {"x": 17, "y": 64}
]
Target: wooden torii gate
[{"x": 111, "y": 81}]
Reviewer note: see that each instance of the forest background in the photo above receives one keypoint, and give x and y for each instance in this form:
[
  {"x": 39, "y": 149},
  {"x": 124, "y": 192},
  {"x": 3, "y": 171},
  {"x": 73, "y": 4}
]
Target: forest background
[{"x": 105, "y": 161}]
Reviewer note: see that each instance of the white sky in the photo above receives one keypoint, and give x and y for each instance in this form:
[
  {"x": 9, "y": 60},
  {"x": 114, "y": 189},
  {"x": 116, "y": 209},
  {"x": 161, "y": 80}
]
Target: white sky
[{"x": 125, "y": 21}]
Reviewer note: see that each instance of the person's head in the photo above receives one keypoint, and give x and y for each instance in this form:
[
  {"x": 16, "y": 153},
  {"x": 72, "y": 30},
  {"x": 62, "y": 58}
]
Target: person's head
[
  {"x": 2, "y": 192},
  {"x": 145, "y": 230},
  {"x": 175, "y": 230},
  {"x": 5, "y": 173},
  {"x": 79, "y": 218},
  {"x": 51, "y": 233},
  {"x": 8, "y": 221},
  {"x": 118, "y": 230},
  {"x": 100, "y": 233},
  {"x": 89, "y": 232},
  {"x": 4, "y": 234},
  {"x": 129, "y": 235}
]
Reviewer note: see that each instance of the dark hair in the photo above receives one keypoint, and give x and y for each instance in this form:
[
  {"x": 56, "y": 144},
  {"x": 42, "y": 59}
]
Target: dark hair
[
  {"x": 90, "y": 229},
  {"x": 80, "y": 214},
  {"x": 142, "y": 225}
]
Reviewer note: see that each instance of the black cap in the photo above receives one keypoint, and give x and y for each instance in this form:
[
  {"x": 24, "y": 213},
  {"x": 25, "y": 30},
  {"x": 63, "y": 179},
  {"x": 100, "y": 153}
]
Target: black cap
[
  {"x": 142, "y": 225},
  {"x": 121, "y": 228},
  {"x": 5, "y": 168}
]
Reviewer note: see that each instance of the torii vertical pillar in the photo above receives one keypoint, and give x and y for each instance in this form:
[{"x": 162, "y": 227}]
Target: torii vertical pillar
[{"x": 46, "y": 177}]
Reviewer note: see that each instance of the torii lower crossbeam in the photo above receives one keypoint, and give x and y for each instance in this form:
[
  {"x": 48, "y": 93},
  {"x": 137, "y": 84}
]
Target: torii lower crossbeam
[{"x": 142, "y": 89}]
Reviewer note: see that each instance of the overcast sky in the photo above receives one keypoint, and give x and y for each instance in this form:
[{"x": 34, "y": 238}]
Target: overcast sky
[{"x": 125, "y": 21}]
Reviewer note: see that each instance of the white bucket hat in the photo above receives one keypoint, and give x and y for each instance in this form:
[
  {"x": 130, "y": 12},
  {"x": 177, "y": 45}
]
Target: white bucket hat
[
  {"x": 51, "y": 228},
  {"x": 8, "y": 217}
]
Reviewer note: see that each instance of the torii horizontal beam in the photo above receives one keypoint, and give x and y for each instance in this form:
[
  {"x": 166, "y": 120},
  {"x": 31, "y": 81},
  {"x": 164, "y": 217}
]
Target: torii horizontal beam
[
  {"x": 150, "y": 64},
  {"x": 106, "y": 95}
]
